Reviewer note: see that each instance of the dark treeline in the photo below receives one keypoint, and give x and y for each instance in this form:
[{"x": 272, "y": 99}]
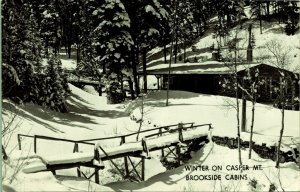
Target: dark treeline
[{"x": 111, "y": 39}]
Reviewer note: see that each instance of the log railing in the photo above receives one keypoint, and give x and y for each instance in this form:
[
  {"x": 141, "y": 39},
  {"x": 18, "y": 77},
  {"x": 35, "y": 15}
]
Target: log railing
[
  {"x": 123, "y": 137},
  {"x": 161, "y": 130},
  {"x": 36, "y": 137}
]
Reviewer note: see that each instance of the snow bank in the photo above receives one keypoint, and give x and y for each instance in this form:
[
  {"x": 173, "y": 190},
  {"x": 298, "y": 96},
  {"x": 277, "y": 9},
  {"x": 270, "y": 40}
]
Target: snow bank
[
  {"x": 88, "y": 98},
  {"x": 90, "y": 89},
  {"x": 69, "y": 64}
]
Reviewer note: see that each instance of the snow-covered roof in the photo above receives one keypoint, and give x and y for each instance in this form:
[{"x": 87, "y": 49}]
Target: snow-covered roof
[{"x": 209, "y": 67}]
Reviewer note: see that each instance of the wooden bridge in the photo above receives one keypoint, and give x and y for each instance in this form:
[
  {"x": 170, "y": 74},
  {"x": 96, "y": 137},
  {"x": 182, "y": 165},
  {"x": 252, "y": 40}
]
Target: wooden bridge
[
  {"x": 168, "y": 140},
  {"x": 79, "y": 81}
]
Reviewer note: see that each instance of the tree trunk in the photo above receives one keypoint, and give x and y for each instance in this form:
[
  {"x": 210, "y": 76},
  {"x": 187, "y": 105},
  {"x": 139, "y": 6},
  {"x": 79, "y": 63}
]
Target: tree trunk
[
  {"x": 165, "y": 53},
  {"x": 252, "y": 125},
  {"x": 184, "y": 51},
  {"x": 268, "y": 10},
  {"x": 78, "y": 52},
  {"x": 104, "y": 68},
  {"x": 237, "y": 107},
  {"x": 66, "y": 49},
  {"x": 176, "y": 48},
  {"x": 259, "y": 15},
  {"x": 120, "y": 79},
  {"x": 244, "y": 113},
  {"x": 9, "y": 52},
  {"x": 169, "y": 70},
  {"x": 144, "y": 70},
  {"x": 174, "y": 26},
  {"x": 280, "y": 137},
  {"x": 228, "y": 19},
  {"x": 176, "y": 33},
  {"x": 293, "y": 86},
  {"x": 279, "y": 14},
  {"x": 282, "y": 100},
  {"x": 134, "y": 72},
  {"x": 142, "y": 118},
  {"x": 130, "y": 83},
  {"x": 46, "y": 49},
  {"x": 244, "y": 109},
  {"x": 100, "y": 89},
  {"x": 69, "y": 50}
]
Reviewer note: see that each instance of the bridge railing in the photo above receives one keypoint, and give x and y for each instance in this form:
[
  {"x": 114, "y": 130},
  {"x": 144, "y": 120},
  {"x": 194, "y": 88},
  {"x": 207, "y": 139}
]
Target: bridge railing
[
  {"x": 123, "y": 137},
  {"x": 36, "y": 137},
  {"x": 161, "y": 130},
  {"x": 179, "y": 130}
]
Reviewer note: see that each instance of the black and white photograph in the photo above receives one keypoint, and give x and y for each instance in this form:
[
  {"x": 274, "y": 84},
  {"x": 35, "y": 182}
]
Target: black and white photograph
[{"x": 150, "y": 95}]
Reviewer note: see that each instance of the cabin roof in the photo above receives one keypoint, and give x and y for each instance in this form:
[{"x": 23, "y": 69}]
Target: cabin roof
[{"x": 209, "y": 67}]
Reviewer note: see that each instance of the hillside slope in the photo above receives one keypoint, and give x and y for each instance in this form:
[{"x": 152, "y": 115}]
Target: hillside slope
[{"x": 200, "y": 51}]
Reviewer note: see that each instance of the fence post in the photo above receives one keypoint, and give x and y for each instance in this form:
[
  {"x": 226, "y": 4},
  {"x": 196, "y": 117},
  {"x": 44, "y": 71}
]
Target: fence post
[
  {"x": 143, "y": 169},
  {"x": 19, "y": 142},
  {"x": 97, "y": 175},
  {"x": 178, "y": 154},
  {"x": 162, "y": 150},
  {"x": 76, "y": 149},
  {"x": 145, "y": 148},
  {"x": 180, "y": 126},
  {"x": 125, "y": 158},
  {"x": 34, "y": 143}
]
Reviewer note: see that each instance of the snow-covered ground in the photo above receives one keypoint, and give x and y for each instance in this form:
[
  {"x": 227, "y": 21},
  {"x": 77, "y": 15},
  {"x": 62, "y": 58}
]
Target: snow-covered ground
[
  {"x": 69, "y": 64},
  {"x": 91, "y": 117},
  {"x": 209, "y": 157},
  {"x": 271, "y": 31}
]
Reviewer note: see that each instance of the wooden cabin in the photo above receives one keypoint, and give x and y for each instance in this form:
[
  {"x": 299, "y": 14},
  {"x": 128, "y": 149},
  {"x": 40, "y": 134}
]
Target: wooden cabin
[{"x": 207, "y": 78}]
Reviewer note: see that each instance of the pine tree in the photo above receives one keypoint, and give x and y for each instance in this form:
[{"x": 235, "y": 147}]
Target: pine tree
[
  {"x": 23, "y": 78},
  {"x": 21, "y": 45},
  {"x": 50, "y": 26},
  {"x": 69, "y": 34},
  {"x": 56, "y": 85},
  {"x": 89, "y": 62},
  {"x": 114, "y": 43},
  {"x": 291, "y": 9},
  {"x": 147, "y": 18},
  {"x": 184, "y": 28},
  {"x": 202, "y": 10}
]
